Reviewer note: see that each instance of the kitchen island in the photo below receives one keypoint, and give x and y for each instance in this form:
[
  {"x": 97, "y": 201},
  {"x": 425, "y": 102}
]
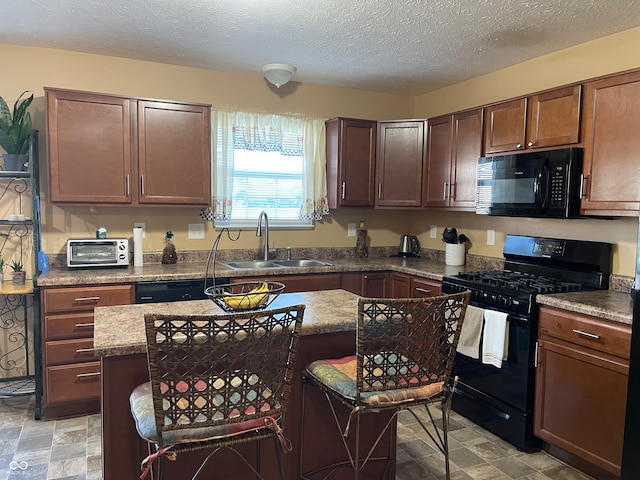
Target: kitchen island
[{"x": 328, "y": 331}]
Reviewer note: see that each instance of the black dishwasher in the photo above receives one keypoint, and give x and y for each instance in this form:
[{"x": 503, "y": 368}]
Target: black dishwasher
[{"x": 172, "y": 290}]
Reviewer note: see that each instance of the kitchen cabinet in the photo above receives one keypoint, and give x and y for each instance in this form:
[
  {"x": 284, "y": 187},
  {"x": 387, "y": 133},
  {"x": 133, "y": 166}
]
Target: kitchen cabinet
[
  {"x": 454, "y": 143},
  {"x": 112, "y": 150},
  {"x": 611, "y": 144},
  {"x": 299, "y": 283},
  {"x": 71, "y": 379},
  {"x": 351, "y": 156},
  {"x": 547, "y": 119},
  {"x": 400, "y": 163},
  {"x": 370, "y": 284},
  {"x": 581, "y": 389},
  {"x": 409, "y": 286}
]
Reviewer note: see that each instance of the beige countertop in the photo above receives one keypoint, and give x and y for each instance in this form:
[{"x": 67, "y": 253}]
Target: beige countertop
[
  {"x": 119, "y": 330},
  {"x": 607, "y": 304},
  {"x": 613, "y": 304}
]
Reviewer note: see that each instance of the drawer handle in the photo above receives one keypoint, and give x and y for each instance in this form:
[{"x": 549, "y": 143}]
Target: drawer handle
[
  {"x": 586, "y": 334},
  {"x": 85, "y": 350},
  {"x": 85, "y": 324},
  {"x": 86, "y": 299},
  {"x": 423, "y": 290},
  {"x": 92, "y": 374}
]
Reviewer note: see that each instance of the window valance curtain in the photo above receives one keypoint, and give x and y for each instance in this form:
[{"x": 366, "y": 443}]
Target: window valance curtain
[{"x": 289, "y": 135}]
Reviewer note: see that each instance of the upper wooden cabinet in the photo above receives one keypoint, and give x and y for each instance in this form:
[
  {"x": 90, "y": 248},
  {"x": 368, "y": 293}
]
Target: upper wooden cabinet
[
  {"x": 400, "y": 161},
  {"x": 453, "y": 147},
  {"x": 105, "y": 149},
  {"x": 611, "y": 163},
  {"x": 544, "y": 120},
  {"x": 351, "y": 156}
]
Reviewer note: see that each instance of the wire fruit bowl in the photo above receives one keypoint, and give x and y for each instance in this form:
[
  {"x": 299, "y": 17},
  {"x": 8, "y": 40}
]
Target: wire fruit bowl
[{"x": 235, "y": 297}]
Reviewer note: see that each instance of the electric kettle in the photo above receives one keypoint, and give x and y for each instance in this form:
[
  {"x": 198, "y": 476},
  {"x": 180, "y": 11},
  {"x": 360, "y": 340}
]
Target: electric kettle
[{"x": 409, "y": 245}]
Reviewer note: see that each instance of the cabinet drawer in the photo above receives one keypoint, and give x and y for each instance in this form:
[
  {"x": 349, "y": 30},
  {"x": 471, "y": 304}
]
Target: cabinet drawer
[
  {"x": 424, "y": 287},
  {"x": 69, "y": 351},
  {"x": 591, "y": 332},
  {"x": 70, "y": 383},
  {"x": 86, "y": 298},
  {"x": 71, "y": 325}
]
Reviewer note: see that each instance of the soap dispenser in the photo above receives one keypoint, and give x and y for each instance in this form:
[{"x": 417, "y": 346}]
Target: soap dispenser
[{"x": 169, "y": 254}]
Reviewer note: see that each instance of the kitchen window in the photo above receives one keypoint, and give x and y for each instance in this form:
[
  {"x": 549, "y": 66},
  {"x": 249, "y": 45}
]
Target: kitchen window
[{"x": 275, "y": 163}]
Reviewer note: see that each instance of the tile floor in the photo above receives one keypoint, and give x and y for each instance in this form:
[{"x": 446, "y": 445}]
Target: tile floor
[{"x": 70, "y": 449}]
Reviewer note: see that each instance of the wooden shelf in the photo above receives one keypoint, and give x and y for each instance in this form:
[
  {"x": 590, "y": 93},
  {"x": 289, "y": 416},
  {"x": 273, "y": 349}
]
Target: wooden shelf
[{"x": 8, "y": 288}]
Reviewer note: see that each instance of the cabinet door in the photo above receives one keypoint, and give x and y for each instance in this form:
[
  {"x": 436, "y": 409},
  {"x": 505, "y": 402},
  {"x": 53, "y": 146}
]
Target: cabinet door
[
  {"x": 401, "y": 147},
  {"x": 438, "y": 178},
  {"x": 505, "y": 126},
  {"x": 611, "y": 145},
  {"x": 351, "y": 153},
  {"x": 553, "y": 118},
  {"x": 400, "y": 285},
  {"x": 89, "y": 148},
  {"x": 580, "y": 403},
  {"x": 467, "y": 147},
  {"x": 174, "y": 153},
  {"x": 375, "y": 285}
]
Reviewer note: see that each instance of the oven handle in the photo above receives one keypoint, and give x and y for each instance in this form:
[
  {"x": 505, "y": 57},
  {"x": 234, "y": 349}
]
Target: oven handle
[{"x": 515, "y": 317}]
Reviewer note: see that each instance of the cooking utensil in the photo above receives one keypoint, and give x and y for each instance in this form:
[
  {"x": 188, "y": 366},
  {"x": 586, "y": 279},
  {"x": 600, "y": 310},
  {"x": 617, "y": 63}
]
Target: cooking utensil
[
  {"x": 450, "y": 235},
  {"x": 43, "y": 260},
  {"x": 462, "y": 238}
]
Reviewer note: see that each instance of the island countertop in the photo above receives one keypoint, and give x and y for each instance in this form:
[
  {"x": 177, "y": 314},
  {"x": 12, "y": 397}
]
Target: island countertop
[{"x": 119, "y": 330}]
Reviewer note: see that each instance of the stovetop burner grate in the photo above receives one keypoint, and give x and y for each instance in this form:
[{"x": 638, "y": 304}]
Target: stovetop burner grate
[{"x": 519, "y": 281}]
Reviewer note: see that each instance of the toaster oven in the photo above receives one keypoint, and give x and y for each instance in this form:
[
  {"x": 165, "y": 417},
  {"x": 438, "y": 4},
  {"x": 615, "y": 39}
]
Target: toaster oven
[{"x": 98, "y": 252}]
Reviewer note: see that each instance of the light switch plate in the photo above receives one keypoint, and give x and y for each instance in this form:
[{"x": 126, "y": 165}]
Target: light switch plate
[
  {"x": 433, "y": 233},
  {"x": 351, "y": 230},
  {"x": 491, "y": 237},
  {"x": 141, "y": 225},
  {"x": 196, "y": 231}
]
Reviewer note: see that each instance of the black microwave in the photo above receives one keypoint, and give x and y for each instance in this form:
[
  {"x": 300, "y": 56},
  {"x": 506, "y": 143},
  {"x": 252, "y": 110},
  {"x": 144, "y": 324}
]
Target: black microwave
[{"x": 531, "y": 184}]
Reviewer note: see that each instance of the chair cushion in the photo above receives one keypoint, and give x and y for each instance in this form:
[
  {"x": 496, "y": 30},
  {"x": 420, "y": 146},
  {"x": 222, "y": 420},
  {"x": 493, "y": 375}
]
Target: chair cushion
[
  {"x": 340, "y": 376},
  {"x": 141, "y": 403}
]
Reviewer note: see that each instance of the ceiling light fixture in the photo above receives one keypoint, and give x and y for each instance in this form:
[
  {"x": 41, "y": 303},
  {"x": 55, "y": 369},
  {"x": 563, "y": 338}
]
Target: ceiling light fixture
[{"x": 278, "y": 73}]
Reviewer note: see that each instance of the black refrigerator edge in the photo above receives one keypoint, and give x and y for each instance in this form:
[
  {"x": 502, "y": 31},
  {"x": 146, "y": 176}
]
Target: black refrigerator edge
[{"x": 631, "y": 445}]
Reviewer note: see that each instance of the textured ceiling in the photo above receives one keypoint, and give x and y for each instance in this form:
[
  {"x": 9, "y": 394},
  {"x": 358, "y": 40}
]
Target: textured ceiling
[{"x": 395, "y": 46}]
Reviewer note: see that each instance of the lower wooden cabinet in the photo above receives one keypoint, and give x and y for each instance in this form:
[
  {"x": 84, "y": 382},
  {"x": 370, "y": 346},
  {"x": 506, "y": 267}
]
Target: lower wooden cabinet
[
  {"x": 409, "y": 286},
  {"x": 581, "y": 389},
  {"x": 71, "y": 371},
  {"x": 299, "y": 283},
  {"x": 370, "y": 284}
]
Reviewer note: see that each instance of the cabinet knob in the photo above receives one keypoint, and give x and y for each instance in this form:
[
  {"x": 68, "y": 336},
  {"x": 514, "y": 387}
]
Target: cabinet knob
[
  {"x": 344, "y": 190},
  {"x": 531, "y": 144},
  {"x": 518, "y": 146}
]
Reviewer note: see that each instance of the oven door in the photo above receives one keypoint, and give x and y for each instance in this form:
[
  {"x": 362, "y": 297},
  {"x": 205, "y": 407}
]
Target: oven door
[{"x": 512, "y": 384}]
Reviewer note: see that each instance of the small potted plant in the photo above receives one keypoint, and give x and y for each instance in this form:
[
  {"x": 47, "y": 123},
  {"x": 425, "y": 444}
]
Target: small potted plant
[
  {"x": 15, "y": 132},
  {"x": 18, "y": 275}
]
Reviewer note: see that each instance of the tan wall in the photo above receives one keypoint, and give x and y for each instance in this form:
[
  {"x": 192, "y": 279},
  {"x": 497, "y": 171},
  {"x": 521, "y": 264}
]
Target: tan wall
[
  {"x": 34, "y": 68},
  {"x": 611, "y": 54}
]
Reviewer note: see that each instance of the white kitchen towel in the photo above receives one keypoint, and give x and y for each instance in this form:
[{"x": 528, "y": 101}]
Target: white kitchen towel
[
  {"x": 495, "y": 338},
  {"x": 469, "y": 342}
]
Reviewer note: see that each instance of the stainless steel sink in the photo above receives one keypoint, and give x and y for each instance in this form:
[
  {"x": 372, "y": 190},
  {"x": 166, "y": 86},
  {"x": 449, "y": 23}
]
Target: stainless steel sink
[
  {"x": 302, "y": 262},
  {"x": 251, "y": 264},
  {"x": 261, "y": 264}
]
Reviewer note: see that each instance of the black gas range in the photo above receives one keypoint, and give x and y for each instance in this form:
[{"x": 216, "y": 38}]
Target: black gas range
[{"x": 502, "y": 399}]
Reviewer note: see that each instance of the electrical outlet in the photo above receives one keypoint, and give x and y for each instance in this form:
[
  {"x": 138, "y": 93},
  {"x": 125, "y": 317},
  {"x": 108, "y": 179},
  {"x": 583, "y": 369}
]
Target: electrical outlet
[
  {"x": 196, "y": 231},
  {"x": 433, "y": 233},
  {"x": 491, "y": 237},
  {"x": 141, "y": 225},
  {"x": 351, "y": 230}
]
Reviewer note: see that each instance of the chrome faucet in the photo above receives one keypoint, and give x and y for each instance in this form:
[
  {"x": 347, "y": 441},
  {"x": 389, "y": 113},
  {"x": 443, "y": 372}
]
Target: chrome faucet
[{"x": 263, "y": 214}]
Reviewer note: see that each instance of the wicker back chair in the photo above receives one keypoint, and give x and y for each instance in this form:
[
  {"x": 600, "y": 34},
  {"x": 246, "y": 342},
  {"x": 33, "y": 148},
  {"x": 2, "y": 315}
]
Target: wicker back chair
[
  {"x": 216, "y": 381},
  {"x": 405, "y": 350}
]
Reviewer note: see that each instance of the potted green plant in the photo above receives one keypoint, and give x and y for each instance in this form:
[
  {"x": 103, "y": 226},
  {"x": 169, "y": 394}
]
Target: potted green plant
[
  {"x": 18, "y": 275},
  {"x": 15, "y": 131}
]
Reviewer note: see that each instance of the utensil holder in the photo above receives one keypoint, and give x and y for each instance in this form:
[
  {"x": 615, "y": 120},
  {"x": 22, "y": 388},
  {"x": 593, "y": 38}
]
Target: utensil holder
[{"x": 454, "y": 253}]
